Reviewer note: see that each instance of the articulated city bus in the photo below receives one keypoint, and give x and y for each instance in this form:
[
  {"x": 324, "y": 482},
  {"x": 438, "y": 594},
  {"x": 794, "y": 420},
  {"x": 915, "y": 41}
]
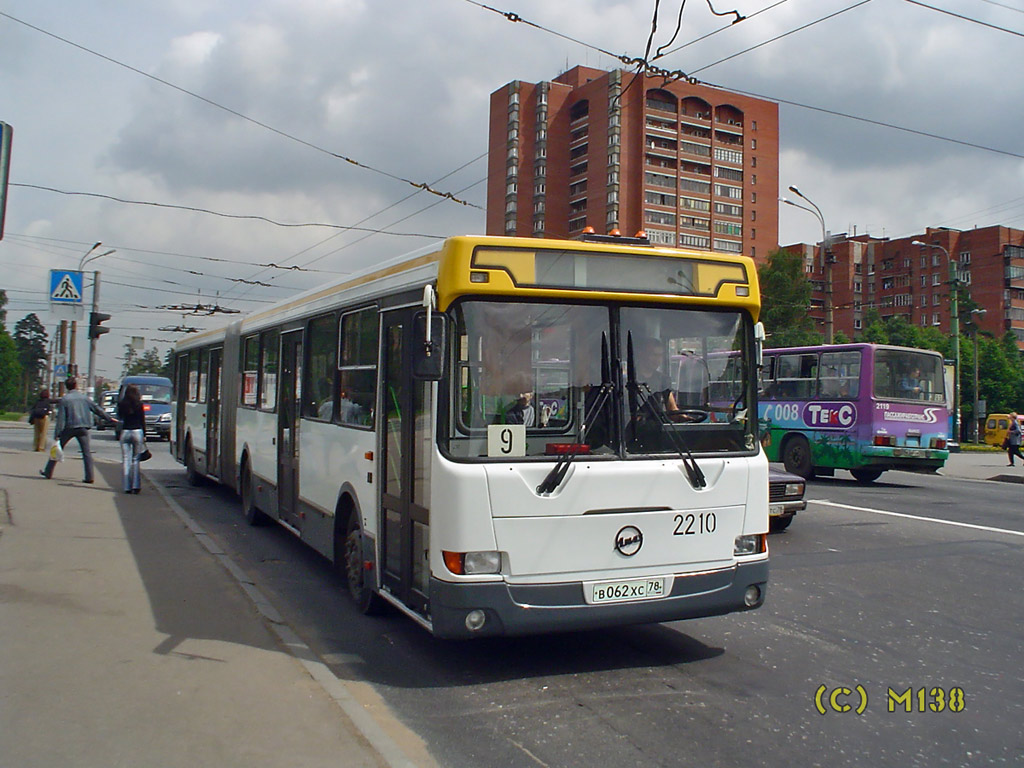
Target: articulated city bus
[
  {"x": 481, "y": 434},
  {"x": 863, "y": 407}
]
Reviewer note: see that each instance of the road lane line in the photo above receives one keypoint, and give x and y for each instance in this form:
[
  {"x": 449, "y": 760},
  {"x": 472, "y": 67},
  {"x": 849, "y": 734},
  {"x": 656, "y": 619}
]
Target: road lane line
[{"x": 919, "y": 518}]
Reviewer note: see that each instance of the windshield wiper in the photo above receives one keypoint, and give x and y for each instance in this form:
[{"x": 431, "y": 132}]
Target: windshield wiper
[
  {"x": 639, "y": 400},
  {"x": 557, "y": 474}
]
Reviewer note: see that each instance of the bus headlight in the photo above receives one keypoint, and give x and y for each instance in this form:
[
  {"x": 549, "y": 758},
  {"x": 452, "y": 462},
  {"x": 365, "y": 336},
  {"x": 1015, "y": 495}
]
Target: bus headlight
[
  {"x": 754, "y": 544},
  {"x": 470, "y": 563},
  {"x": 483, "y": 562}
]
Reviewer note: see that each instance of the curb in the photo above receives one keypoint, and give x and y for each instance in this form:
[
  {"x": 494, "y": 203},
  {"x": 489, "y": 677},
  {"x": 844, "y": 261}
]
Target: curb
[{"x": 389, "y": 751}]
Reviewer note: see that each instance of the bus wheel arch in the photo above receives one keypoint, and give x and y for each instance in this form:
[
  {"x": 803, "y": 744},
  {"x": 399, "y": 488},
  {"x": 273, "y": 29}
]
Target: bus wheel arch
[
  {"x": 796, "y": 456},
  {"x": 865, "y": 475},
  {"x": 191, "y": 473},
  {"x": 350, "y": 555},
  {"x": 252, "y": 513}
]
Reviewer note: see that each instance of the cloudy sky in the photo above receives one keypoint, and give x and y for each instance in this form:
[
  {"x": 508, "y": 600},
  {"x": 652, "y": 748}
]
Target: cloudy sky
[{"x": 254, "y": 109}]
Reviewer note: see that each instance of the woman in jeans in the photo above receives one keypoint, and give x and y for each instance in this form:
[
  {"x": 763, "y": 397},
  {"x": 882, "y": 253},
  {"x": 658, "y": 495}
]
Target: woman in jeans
[{"x": 133, "y": 436}]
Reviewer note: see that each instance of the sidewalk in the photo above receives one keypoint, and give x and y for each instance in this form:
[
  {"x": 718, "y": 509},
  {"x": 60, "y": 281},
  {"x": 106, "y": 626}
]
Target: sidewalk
[{"x": 124, "y": 643}]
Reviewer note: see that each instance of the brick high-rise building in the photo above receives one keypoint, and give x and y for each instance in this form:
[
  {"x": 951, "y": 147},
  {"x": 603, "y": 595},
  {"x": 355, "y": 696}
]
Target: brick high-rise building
[
  {"x": 897, "y": 277},
  {"x": 691, "y": 165}
]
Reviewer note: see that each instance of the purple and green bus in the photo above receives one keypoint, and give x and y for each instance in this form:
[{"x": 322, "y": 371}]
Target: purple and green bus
[{"x": 861, "y": 407}]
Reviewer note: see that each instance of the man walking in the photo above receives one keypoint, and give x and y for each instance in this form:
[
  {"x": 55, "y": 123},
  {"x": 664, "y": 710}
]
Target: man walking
[{"x": 74, "y": 420}]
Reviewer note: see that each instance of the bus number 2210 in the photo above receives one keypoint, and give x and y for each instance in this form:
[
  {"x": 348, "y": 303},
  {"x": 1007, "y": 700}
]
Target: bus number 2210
[{"x": 692, "y": 524}]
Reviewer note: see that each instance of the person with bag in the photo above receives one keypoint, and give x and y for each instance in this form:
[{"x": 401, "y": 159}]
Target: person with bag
[
  {"x": 39, "y": 418},
  {"x": 1013, "y": 439},
  {"x": 132, "y": 415},
  {"x": 74, "y": 420}
]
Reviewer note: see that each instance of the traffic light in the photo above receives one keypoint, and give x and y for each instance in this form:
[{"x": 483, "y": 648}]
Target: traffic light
[{"x": 95, "y": 329}]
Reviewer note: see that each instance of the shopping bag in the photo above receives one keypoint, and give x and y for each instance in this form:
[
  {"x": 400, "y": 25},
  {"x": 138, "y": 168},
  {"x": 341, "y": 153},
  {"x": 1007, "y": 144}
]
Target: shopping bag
[{"x": 56, "y": 452}]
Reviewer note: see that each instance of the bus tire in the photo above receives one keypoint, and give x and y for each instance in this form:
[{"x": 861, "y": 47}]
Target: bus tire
[
  {"x": 866, "y": 475},
  {"x": 796, "y": 456},
  {"x": 191, "y": 473},
  {"x": 253, "y": 514},
  {"x": 354, "y": 570}
]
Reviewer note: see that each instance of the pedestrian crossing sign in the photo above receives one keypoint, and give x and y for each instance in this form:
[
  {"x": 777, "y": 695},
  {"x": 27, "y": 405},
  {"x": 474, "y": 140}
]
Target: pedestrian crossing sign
[{"x": 65, "y": 286}]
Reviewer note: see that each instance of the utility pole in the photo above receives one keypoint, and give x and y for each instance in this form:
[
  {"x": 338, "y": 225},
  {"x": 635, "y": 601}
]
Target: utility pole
[{"x": 90, "y": 381}]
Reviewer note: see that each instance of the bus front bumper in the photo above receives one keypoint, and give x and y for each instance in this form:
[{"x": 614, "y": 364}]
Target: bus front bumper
[{"x": 536, "y": 609}]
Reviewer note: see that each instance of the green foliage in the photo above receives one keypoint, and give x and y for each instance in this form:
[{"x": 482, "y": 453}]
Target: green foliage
[
  {"x": 10, "y": 372},
  {"x": 785, "y": 297},
  {"x": 148, "y": 362},
  {"x": 30, "y": 339}
]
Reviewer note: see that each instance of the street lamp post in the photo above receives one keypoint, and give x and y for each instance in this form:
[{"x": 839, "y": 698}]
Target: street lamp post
[
  {"x": 90, "y": 376},
  {"x": 826, "y": 258},
  {"x": 974, "y": 421},
  {"x": 954, "y": 326},
  {"x": 72, "y": 367}
]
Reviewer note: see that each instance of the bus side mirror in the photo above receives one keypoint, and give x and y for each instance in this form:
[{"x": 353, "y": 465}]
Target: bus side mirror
[
  {"x": 759, "y": 339},
  {"x": 428, "y": 348}
]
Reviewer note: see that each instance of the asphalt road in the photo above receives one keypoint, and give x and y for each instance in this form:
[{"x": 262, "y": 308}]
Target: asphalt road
[{"x": 910, "y": 586}]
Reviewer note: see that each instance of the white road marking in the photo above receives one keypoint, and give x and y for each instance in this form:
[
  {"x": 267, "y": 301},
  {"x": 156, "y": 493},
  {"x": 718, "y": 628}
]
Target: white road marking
[{"x": 919, "y": 518}]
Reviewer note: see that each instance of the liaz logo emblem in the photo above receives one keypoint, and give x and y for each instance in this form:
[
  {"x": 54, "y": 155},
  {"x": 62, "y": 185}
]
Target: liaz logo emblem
[{"x": 629, "y": 540}]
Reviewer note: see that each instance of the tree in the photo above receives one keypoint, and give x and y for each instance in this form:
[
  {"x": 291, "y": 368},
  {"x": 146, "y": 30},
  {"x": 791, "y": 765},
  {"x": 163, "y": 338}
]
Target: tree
[
  {"x": 3, "y": 312},
  {"x": 785, "y": 297},
  {"x": 148, "y": 362},
  {"x": 30, "y": 339},
  {"x": 10, "y": 371}
]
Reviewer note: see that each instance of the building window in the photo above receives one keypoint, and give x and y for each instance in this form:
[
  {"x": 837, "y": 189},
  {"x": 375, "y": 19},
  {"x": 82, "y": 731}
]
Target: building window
[
  {"x": 936, "y": 279},
  {"x": 728, "y": 246},
  {"x": 753, "y": 162},
  {"x": 753, "y": 142},
  {"x": 659, "y": 217},
  {"x": 660, "y": 236},
  {"x": 695, "y": 241},
  {"x": 965, "y": 257},
  {"x": 659, "y": 198}
]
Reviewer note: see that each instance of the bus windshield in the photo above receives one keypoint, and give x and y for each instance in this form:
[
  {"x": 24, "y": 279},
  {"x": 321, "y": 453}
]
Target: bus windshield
[
  {"x": 908, "y": 375},
  {"x": 155, "y": 393},
  {"x": 677, "y": 379}
]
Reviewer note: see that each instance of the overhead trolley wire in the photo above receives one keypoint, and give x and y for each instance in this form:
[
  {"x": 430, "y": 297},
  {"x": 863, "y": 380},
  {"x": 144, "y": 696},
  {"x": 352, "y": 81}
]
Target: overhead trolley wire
[
  {"x": 788, "y": 102},
  {"x": 419, "y": 185}
]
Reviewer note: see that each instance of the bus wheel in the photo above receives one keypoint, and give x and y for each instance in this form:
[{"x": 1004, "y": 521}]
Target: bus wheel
[
  {"x": 191, "y": 473},
  {"x": 797, "y": 457},
  {"x": 253, "y": 514},
  {"x": 365, "y": 599},
  {"x": 866, "y": 474}
]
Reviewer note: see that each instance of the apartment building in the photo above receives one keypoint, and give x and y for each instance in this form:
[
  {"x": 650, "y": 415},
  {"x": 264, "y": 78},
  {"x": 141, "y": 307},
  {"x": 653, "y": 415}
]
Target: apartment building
[
  {"x": 897, "y": 277},
  {"x": 690, "y": 165}
]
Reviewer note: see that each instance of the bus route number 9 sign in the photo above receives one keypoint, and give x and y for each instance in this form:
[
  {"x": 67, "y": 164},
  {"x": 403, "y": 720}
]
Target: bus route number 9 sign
[{"x": 506, "y": 440}]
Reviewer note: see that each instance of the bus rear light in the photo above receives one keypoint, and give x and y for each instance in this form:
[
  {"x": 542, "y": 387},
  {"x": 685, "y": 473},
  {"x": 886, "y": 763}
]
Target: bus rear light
[
  {"x": 885, "y": 440},
  {"x": 560, "y": 449},
  {"x": 754, "y": 544},
  {"x": 471, "y": 563},
  {"x": 938, "y": 442}
]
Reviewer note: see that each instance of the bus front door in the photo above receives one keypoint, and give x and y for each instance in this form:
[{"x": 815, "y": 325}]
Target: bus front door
[
  {"x": 404, "y": 466},
  {"x": 213, "y": 414},
  {"x": 288, "y": 429}
]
